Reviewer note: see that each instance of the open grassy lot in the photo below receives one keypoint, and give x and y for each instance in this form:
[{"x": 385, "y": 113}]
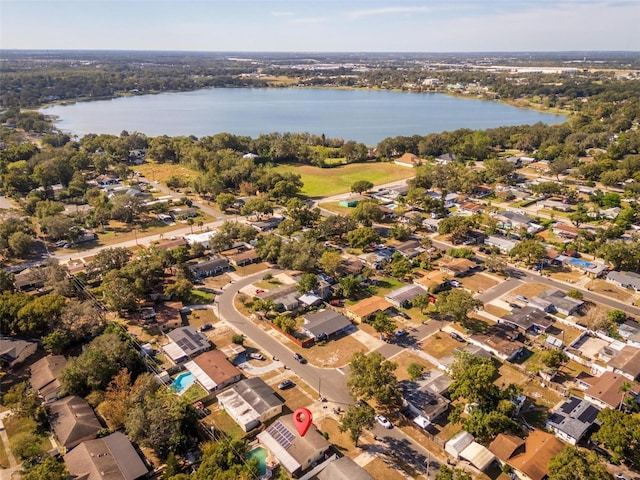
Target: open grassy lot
[
  {"x": 339, "y": 439},
  {"x": 406, "y": 358},
  {"x": 297, "y": 397},
  {"x": 334, "y": 353},
  {"x": 528, "y": 290},
  {"x": 218, "y": 281},
  {"x": 493, "y": 310},
  {"x": 251, "y": 269},
  {"x": 193, "y": 393},
  {"x": 383, "y": 469},
  {"x": 610, "y": 290},
  {"x": 385, "y": 285},
  {"x": 323, "y": 182},
  {"x": 440, "y": 345},
  {"x": 164, "y": 171},
  {"x": 335, "y": 207},
  {"x": 478, "y": 282}
]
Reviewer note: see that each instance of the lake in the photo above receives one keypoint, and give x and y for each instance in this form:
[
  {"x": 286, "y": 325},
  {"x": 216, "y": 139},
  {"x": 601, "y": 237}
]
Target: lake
[{"x": 362, "y": 115}]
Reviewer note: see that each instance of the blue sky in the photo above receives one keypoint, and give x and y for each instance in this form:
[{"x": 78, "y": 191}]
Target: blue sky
[{"x": 321, "y": 25}]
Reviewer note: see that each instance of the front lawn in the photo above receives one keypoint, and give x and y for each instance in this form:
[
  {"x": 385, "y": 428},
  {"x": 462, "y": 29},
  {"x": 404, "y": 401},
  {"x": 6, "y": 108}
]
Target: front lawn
[{"x": 19, "y": 427}]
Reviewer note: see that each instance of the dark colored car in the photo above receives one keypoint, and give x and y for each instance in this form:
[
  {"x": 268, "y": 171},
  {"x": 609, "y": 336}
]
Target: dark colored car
[
  {"x": 286, "y": 384},
  {"x": 457, "y": 337},
  {"x": 299, "y": 358}
]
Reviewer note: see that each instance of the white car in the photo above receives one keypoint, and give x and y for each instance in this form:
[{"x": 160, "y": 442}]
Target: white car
[
  {"x": 455, "y": 283},
  {"x": 382, "y": 420}
]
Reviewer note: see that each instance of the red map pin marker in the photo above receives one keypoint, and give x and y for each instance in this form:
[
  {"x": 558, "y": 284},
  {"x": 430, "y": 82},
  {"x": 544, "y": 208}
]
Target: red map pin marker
[{"x": 303, "y": 419}]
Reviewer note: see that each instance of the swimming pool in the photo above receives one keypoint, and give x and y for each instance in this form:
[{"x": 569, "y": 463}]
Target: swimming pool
[
  {"x": 261, "y": 454},
  {"x": 182, "y": 382},
  {"x": 582, "y": 263}
]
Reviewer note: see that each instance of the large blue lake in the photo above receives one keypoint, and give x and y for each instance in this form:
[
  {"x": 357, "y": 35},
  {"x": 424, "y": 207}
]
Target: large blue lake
[{"x": 364, "y": 116}]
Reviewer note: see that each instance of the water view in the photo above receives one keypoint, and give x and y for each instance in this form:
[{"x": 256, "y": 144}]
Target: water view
[{"x": 364, "y": 116}]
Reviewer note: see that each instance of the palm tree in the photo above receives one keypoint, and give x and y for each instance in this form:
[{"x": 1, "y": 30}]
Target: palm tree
[{"x": 624, "y": 388}]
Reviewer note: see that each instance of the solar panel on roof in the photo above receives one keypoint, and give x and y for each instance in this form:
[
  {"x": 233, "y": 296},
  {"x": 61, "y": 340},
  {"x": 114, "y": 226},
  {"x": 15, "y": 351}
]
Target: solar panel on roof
[
  {"x": 281, "y": 434},
  {"x": 570, "y": 405},
  {"x": 589, "y": 414}
]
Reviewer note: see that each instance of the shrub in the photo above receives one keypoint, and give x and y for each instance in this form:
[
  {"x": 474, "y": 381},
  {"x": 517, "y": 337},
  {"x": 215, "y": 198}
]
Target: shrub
[
  {"x": 25, "y": 445},
  {"x": 238, "y": 339}
]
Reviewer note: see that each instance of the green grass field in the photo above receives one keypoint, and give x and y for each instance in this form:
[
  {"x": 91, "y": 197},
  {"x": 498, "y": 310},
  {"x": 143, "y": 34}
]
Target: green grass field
[{"x": 323, "y": 182}]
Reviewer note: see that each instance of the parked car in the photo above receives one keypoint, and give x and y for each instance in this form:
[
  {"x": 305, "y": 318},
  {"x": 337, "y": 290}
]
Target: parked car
[
  {"x": 61, "y": 243},
  {"x": 514, "y": 305},
  {"x": 205, "y": 327},
  {"x": 455, "y": 283},
  {"x": 299, "y": 358},
  {"x": 620, "y": 476},
  {"x": 522, "y": 298},
  {"x": 256, "y": 356},
  {"x": 401, "y": 333},
  {"x": 457, "y": 337},
  {"x": 286, "y": 384},
  {"x": 259, "y": 291},
  {"x": 382, "y": 420}
]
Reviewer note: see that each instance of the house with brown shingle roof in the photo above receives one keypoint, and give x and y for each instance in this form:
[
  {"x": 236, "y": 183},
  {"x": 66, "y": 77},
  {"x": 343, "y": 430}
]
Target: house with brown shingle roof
[
  {"x": 627, "y": 363},
  {"x": 108, "y": 458},
  {"x": 409, "y": 160},
  {"x": 213, "y": 371},
  {"x": 532, "y": 461},
  {"x": 73, "y": 421},
  {"x": 605, "y": 391},
  {"x": 432, "y": 280},
  {"x": 458, "y": 267},
  {"x": 501, "y": 340},
  {"x": 367, "y": 308},
  {"x": 44, "y": 376}
]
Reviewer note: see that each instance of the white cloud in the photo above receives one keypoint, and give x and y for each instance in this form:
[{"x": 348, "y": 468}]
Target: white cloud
[{"x": 385, "y": 11}]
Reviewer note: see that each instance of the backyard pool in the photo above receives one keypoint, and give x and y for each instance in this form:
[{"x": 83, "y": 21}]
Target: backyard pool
[
  {"x": 261, "y": 454},
  {"x": 182, "y": 382},
  {"x": 582, "y": 263}
]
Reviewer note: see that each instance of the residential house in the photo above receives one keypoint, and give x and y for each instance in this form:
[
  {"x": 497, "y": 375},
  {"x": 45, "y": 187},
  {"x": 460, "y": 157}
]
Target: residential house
[
  {"x": 528, "y": 458},
  {"x": 170, "y": 244},
  {"x": 399, "y": 190},
  {"x": 481, "y": 191},
  {"x": 450, "y": 200},
  {"x": 410, "y": 216},
  {"x": 422, "y": 401},
  {"x": 209, "y": 268},
  {"x": 28, "y": 279},
  {"x": 107, "y": 458},
  {"x": 500, "y": 340},
  {"x": 185, "y": 343},
  {"x": 432, "y": 281},
  {"x": 627, "y": 363},
  {"x": 573, "y": 420},
  {"x": 471, "y": 208},
  {"x": 14, "y": 351},
  {"x": 458, "y": 267},
  {"x": 250, "y": 402},
  {"x": 241, "y": 259},
  {"x": 556, "y": 205},
  {"x": 410, "y": 248},
  {"x": 630, "y": 331},
  {"x": 592, "y": 269},
  {"x": 294, "y": 452},
  {"x": 553, "y": 299},
  {"x": 630, "y": 280},
  {"x": 184, "y": 213},
  {"x": 325, "y": 324},
  {"x": 542, "y": 167},
  {"x": 565, "y": 231},
  {"x": 213, "y": 371},
  {"x": 44, "y": 376},
  {"x": 310, "y": 300},
  {"x": 605, "y": 391},
  {"x": 512, "y": 221},
  {"x": 343, "y": 468},
  {"x": 505, "y": 245},
  {"x": 409, "y": 160},
  {"x": 402, "y": 297},
  {"x": 474, "y": 237},
  {"x": 268, "y": 224},
  {"x": 463, "y": 445},
  {"x": 200, "y": 238},
  {"x": 285, "y": 297},
  {"x": 367, "y": 308},
  {"x": 528, "y": 320},
  {"x": 352, "y": 266},
  {"x": 377, "y": 259},
  {"x": 446, "y": 158},
  {"x": 73, "y": 421}
]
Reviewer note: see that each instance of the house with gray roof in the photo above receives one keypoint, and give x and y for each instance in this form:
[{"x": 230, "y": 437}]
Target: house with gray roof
[
  {"x": 556, "y": 300},
  {"x": 630, "y": 280},
  {"x": 14, "y": 351},
  {"x": 528, "y": 319},
  {"x": 401, "y": 297},
  {"x": 343, "y": 468},
  {"x": 107, "y": 458},
  {"x": 185, "y": 343},
  {"x": 44, "y": 376},
  {"x": 250, "y": 402},
  {"x": 573, "y": 420},
  {"x": 73, "y": 421},
  {"x": 209, "y": 268},
  {"x": 325, "y": 324}
]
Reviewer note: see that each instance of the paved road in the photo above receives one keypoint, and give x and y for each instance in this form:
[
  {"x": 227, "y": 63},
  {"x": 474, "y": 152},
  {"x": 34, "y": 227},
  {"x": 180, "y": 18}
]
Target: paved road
[{"x": 332, "y": 383}]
